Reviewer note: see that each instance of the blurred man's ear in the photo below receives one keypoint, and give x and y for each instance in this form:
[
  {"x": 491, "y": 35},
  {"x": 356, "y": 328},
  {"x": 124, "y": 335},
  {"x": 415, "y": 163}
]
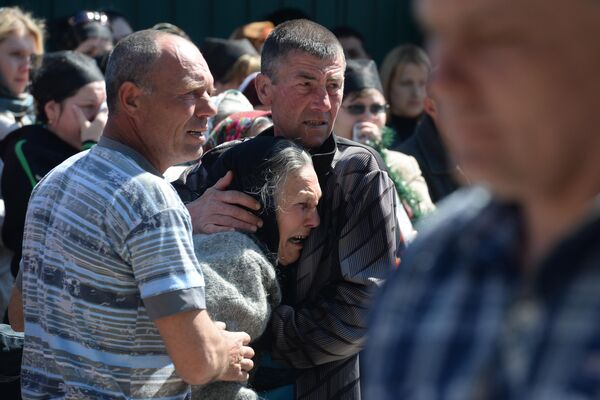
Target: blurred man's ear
[
  {"x": 431, "y": 108},
  {"x": 264, "y": 89}
]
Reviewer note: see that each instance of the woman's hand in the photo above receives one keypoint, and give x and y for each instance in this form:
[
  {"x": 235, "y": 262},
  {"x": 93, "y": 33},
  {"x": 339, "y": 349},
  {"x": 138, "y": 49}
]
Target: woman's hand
[
  {"x": 91, "y": 131},
  {"x": 366, "y": 133}
]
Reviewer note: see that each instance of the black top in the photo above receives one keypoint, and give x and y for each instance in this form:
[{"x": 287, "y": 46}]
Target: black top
[
  {"x": 427, "y": 148},
  {"x": 404, "y": 128},
  {"x": 28, "y": 153}
]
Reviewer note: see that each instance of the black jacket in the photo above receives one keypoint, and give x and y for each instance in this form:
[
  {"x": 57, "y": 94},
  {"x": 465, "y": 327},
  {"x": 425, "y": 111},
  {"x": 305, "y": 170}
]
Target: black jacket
[
  {"x": 28, "y": 153},
  {"x": 427, "y": 147}
]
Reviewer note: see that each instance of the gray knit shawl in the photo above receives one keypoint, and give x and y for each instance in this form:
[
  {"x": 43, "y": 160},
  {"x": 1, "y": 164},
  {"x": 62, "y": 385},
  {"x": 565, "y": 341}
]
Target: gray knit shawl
[{"x": 241, "y": 289}]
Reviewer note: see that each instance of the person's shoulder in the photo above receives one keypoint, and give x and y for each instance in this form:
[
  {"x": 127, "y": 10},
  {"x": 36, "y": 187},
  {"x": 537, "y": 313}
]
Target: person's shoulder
[
  {"x": 452, "y": 218},
  {"x": 404, "y": 164},
  {"x": 123, "y": 180},
  {"x": 230, "y": 240},
  {"x": 227, "y": 247},
  {"x": 7, "y": 123},
  {"x": 357, "y": 156},
  {"x": 194, "y": 180},
  {"x": 24, "y": 132}
]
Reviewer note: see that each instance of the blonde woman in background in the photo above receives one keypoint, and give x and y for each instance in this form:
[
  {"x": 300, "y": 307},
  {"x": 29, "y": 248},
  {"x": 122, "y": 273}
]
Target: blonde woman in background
[
  {"x": 404, "y": 73},
  {"x": 21, "y": 38}
]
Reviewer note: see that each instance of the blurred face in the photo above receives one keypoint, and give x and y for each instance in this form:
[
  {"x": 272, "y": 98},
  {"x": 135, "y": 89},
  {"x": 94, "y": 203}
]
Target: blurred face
[
  {"x": 297, "y": 213},
  {"x": 15, "y": 61},
  {"x": 519, "y": 88},
  {"x": 407, "y": 90},
  {"x": 370, "y": 108},
  {"x": 174, "y": 112},
  {"x": 304, "y": 96},
  {"x": 67, "y": 118},
  {"x": 120, "y": 28},
  {"x": 353, "y": 47}
]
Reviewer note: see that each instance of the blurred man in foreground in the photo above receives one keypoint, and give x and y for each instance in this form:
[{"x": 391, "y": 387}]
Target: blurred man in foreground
[{"x": 498, "y": 298}]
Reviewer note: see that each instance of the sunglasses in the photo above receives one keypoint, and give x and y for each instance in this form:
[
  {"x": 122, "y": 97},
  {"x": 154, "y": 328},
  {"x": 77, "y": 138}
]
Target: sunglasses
[
  {"x": 84, "y": 17},
  {"x": 358, "y": 109}
]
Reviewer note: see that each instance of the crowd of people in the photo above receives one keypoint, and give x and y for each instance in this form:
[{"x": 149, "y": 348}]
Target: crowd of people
[{"x": 272, "y": 216}]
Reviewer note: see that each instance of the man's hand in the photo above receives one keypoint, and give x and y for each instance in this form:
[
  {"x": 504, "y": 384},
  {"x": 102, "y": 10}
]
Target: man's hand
[
  {"x": 91, "y": 130},
  {"x": 239, "y": 356},
  {"x": 219, "y": 210}
]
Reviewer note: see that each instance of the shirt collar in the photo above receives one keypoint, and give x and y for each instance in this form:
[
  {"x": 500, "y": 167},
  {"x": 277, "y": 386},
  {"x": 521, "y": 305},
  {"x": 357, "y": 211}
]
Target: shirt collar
[
  {"x": 129, "y": 152},
  {"x": 322, "y": 157},
  {"x": 494, "y": 243}
]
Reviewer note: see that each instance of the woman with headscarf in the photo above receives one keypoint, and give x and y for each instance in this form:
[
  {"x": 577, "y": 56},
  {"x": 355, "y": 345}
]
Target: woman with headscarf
[
  {"x": 238, "y": 125},
  {"x": 241, "y": 269},
  {"x": 69, "y": 94}
]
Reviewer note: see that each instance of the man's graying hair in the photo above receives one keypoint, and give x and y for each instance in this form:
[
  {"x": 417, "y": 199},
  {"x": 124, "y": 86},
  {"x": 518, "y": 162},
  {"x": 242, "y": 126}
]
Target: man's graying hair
[
  {"x": 286, "y": 161},
  {"x": 299, "y": 35},
  {"x": 130, "y": 61}
]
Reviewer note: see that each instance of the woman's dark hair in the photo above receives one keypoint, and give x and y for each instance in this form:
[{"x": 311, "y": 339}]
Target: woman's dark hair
[{"x": 61, "y": 75}]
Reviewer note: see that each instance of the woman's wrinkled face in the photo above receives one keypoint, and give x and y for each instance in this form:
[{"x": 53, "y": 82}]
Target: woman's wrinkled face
[
  {"x": 408, "y": 90},
  {"x": 297, "y": 212},
  {"x": 16, "y": 52}
]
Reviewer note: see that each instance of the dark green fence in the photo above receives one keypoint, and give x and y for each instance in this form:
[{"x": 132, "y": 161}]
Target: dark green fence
[{"x": 384, "y": 23}]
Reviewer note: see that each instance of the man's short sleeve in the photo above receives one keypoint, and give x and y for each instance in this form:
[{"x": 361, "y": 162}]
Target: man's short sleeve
[{"x": 165, "y": 267}]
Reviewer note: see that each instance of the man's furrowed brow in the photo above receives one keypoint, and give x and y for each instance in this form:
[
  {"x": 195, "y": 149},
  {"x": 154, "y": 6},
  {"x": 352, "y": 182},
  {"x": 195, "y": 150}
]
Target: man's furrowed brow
[{"x": 306, "y": 75}]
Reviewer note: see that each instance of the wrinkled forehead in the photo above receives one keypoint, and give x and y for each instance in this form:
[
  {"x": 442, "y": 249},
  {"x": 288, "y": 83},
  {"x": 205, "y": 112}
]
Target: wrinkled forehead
[
  {"x": 180, "y": 59},
  {"x": 330, "y": 67}
]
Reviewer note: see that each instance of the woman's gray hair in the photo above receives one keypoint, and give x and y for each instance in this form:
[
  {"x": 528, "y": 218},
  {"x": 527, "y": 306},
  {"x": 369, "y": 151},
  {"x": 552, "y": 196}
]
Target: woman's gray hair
[{"x": 282, "y": 165}]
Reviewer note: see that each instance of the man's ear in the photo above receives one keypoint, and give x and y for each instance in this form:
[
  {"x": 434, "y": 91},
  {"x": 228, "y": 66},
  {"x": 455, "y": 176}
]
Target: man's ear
[
  {"x": 264, "y": 89},
  {"x": 129, "y": 96}
]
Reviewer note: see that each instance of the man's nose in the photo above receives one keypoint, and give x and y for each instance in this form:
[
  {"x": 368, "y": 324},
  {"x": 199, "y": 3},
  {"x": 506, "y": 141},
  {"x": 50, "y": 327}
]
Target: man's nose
[
  {"x": 321, "y": 101},
  {"x": 205, "y": 107}
]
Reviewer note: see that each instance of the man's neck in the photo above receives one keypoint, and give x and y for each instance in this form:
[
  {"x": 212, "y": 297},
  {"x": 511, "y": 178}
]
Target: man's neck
[
  {"x": 550, "y": 219},
  {"x": 121, "y": 131}
]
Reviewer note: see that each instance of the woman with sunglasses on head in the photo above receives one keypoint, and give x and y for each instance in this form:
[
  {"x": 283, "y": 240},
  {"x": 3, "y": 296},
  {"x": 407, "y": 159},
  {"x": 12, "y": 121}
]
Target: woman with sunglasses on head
[
  {"x": 362, "y": 118},
  {"x": 21, "y": 38}
]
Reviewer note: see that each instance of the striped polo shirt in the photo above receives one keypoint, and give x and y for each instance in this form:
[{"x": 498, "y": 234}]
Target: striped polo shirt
[{"x": 107, "y": 249}]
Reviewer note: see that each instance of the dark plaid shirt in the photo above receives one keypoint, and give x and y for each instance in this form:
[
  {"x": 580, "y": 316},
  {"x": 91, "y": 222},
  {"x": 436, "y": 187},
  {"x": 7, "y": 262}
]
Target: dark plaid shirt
[{"x": 459, "y": 320}]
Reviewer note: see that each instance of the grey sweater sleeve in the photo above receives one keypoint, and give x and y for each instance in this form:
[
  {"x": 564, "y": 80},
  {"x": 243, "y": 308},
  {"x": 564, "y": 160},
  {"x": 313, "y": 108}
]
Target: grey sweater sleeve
[{"x": 241, "y": 289}]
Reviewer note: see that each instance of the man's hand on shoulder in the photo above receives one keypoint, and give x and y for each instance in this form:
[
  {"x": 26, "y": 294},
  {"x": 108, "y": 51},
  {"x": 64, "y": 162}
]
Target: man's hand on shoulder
[{"x": 219, "y": 210}]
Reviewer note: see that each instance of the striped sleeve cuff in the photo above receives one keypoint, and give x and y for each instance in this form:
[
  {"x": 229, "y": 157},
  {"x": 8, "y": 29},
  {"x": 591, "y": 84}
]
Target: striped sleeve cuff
[{"x": 175, "y": 302}]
